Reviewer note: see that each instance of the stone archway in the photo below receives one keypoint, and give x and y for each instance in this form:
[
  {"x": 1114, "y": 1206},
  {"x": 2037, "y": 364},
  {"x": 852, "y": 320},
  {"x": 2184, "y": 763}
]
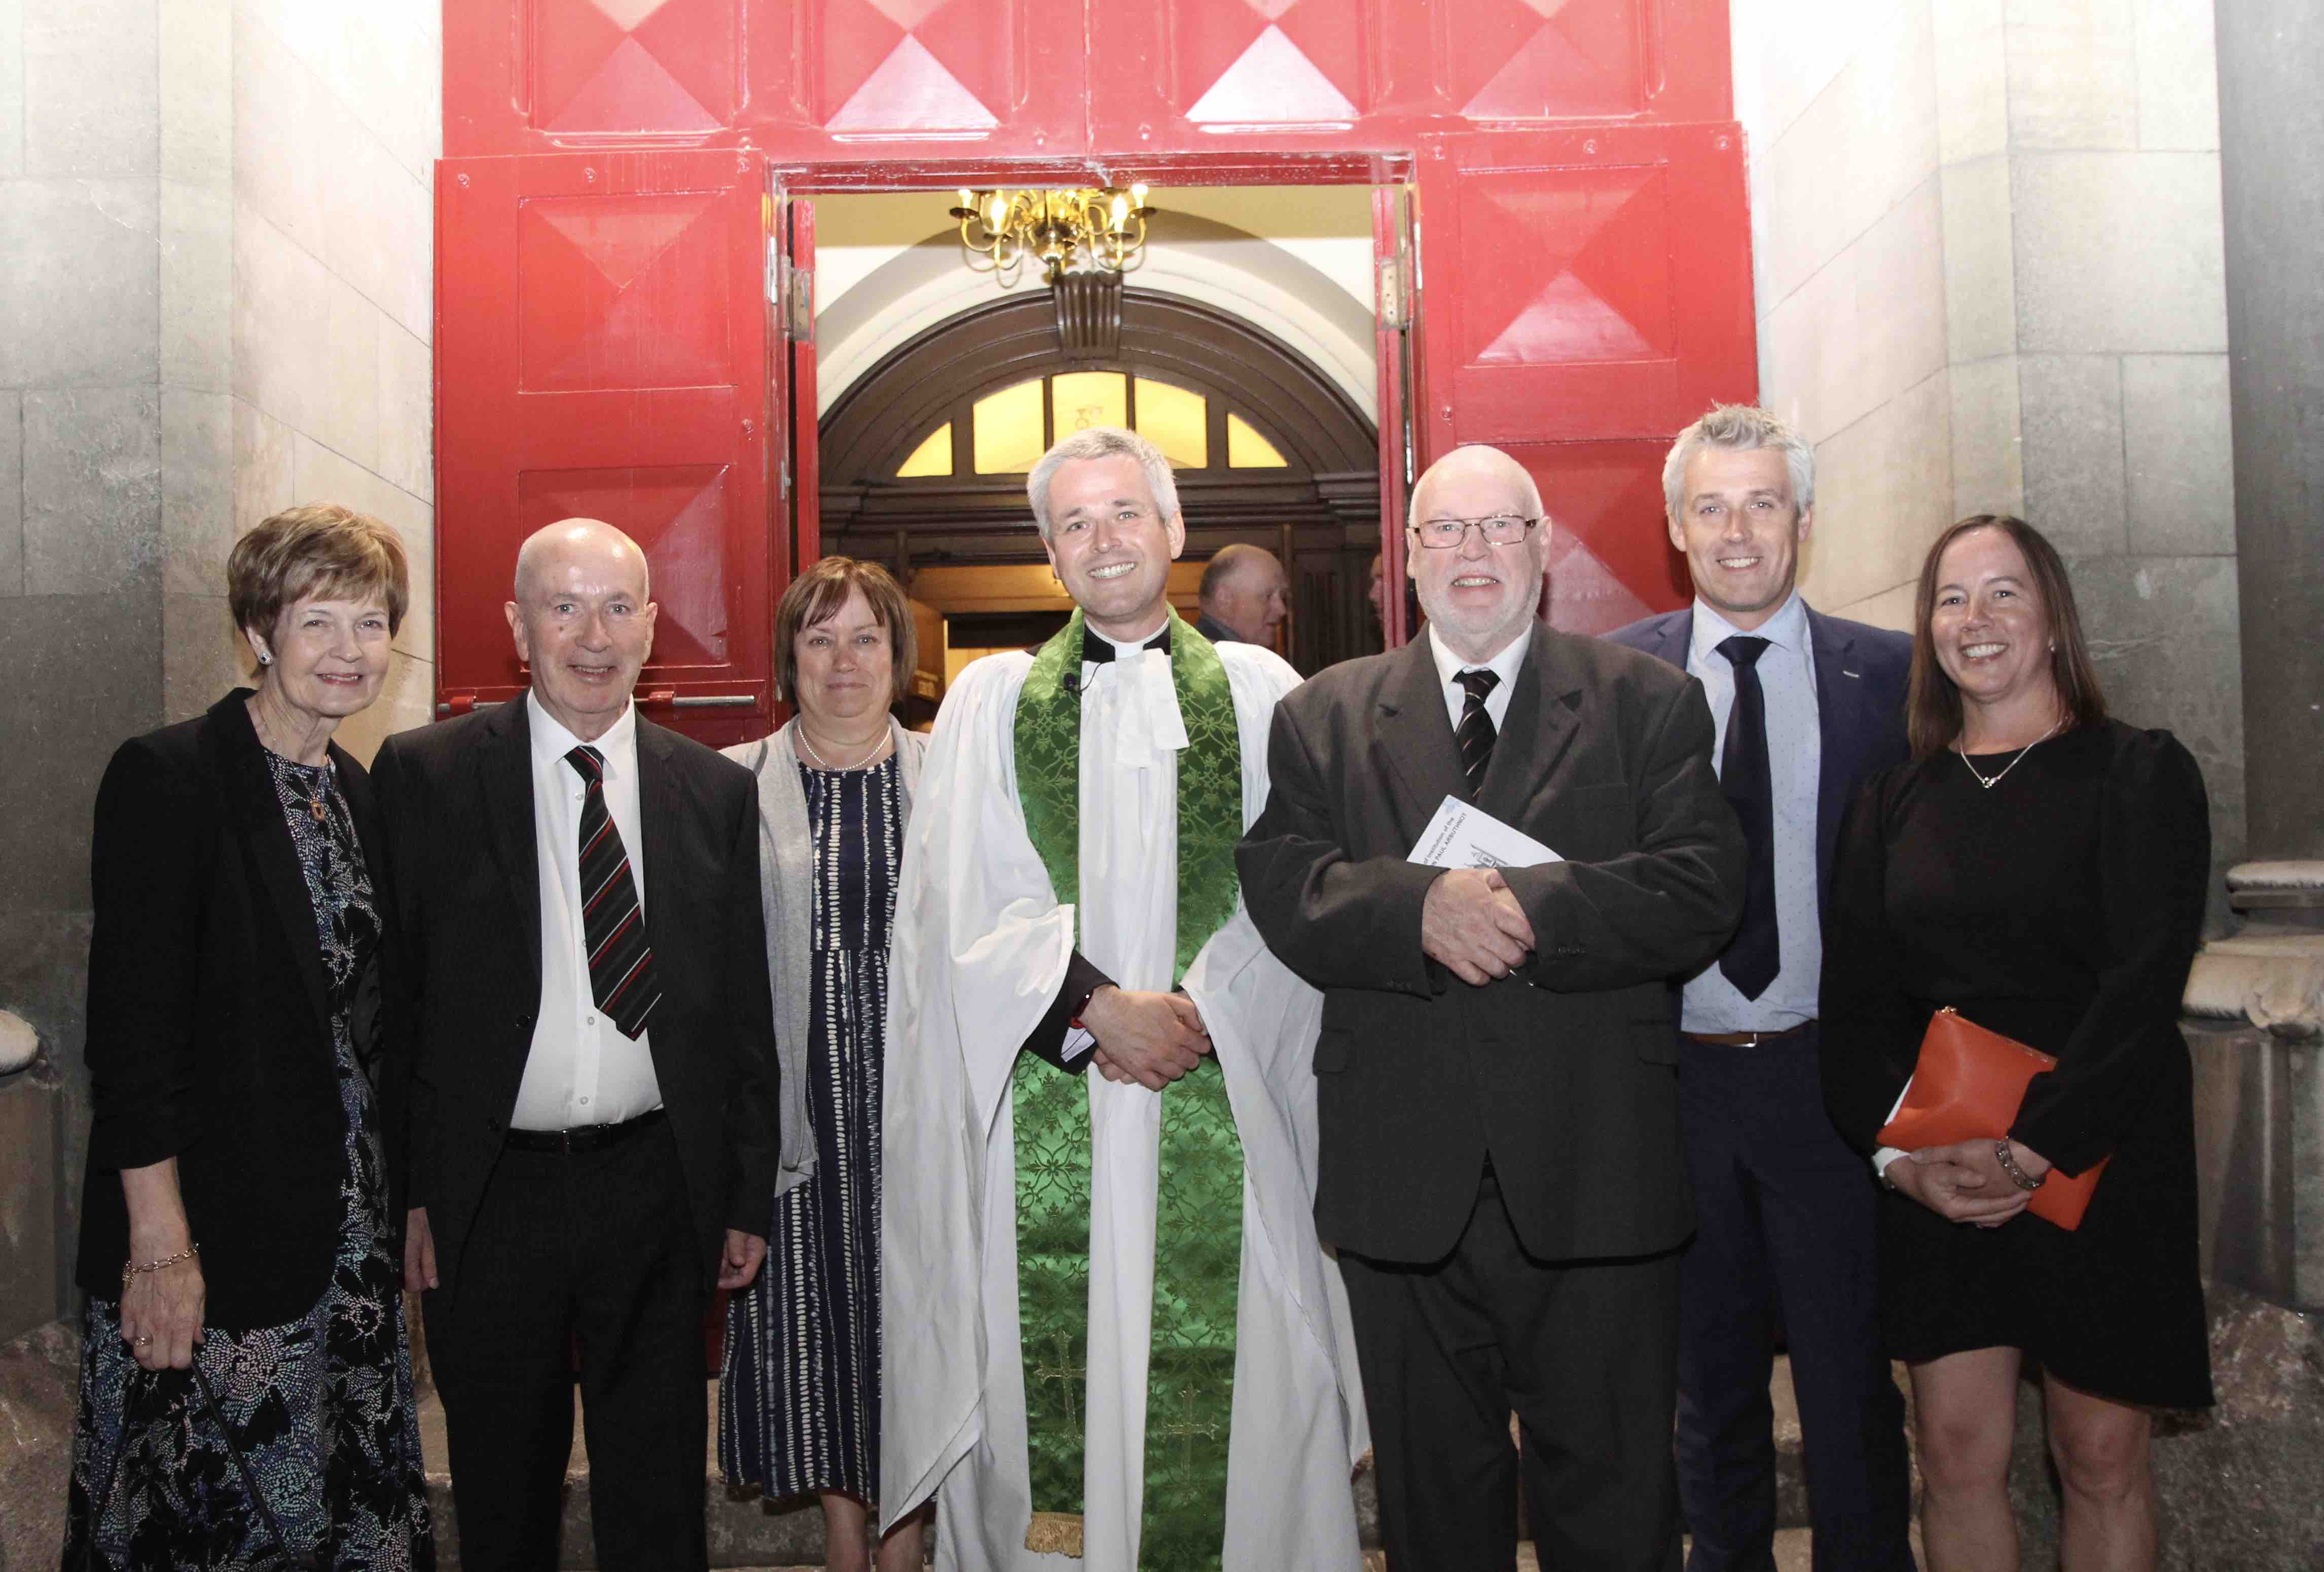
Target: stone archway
[{"x": 923, "y": 457}]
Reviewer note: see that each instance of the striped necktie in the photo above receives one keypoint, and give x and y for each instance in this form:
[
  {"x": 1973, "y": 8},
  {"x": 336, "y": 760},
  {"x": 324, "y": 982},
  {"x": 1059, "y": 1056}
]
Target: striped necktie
[
  {"x": 1475, "y": 733},
  {"x": 621, "y": 961}
]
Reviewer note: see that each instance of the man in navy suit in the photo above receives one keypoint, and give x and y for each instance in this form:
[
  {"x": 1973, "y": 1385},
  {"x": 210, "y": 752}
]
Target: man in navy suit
[{"x": 1807, "y": 707}]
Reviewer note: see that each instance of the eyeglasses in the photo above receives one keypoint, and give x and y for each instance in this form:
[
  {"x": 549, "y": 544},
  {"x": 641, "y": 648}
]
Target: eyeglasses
[{"x": 1500, "y": 530}]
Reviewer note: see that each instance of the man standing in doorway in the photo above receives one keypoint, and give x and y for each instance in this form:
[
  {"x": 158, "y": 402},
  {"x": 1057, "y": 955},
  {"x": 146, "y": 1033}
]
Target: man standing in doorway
[
  {"x": 1499, "y": 1162},
  {"x": 1244, "y": 597},
  {"x": 1807, "y": 707},
  {"x": 1115, "y": 1335},
  {"x": 592, "y": 1108}
]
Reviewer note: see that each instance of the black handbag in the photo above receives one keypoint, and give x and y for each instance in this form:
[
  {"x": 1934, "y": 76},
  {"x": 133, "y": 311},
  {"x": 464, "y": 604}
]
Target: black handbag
[{"x": 281, "y": 1559}]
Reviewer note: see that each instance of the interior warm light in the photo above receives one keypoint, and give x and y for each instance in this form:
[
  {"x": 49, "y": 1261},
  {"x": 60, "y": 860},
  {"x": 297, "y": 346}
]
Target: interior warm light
[{"x": 1100, "y": 229}]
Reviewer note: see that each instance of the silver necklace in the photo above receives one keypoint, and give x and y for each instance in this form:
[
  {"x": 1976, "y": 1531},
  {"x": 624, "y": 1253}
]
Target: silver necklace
[
  {"x": 1991, "y": 781},
  {"x": 807, "y": 744}
]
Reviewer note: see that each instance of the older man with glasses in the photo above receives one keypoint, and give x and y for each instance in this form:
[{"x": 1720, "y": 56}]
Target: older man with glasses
[{"x": 1500, "y": 1165}]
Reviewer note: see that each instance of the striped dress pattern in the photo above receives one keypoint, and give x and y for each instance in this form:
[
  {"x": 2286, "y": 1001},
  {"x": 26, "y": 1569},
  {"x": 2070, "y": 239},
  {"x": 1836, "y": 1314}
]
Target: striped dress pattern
[{"x": 800, "y": 1386}]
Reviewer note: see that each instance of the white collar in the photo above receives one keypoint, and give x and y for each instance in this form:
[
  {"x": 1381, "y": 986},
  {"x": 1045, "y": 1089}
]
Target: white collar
[
  {"x": 552, "y": 741},
  {"x": 1786, "y": 629},
  {"x": 1504, "y": 664}
]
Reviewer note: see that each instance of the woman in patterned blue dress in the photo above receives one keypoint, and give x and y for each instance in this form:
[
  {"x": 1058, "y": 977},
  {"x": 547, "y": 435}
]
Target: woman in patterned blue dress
[
  {"x": 239, "y": 1209},
  {"x": 799, "y": 1393}
]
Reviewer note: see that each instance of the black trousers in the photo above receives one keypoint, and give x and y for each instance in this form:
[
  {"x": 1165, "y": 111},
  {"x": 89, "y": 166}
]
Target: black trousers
[
  {"x": 1784, "y": 1242},
  {"x": 595, "y": 1246},
  {"x": 1582, "y": 1352}
]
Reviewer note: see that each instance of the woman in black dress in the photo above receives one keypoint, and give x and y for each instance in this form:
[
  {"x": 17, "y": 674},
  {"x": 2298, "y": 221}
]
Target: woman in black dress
[
  {"x": 2041, "y": 869},
  {"x": 239, "y": 1216},
  {"x": 798, "y": 1409}
]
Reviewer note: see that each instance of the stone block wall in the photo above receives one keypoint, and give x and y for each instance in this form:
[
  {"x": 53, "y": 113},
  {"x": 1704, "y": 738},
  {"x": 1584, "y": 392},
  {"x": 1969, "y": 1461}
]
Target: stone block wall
[
  {"x": 216, "y": 292},
  {"x": 1988, "y": 244}
]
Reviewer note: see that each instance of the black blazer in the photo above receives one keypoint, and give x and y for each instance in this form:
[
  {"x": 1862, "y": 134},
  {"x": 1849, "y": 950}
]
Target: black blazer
[
  {"x": 1562, "y": 1073},
  {"x": 457, "y": 799},
  {"x": 209, "y": 1035},
  {"x": 1861, "y": 673}
]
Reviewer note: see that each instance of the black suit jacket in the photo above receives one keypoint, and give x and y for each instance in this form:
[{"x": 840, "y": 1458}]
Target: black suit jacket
[
  {"x": 457, "y": 798},
  {"x": 1861, "y": 673},
  {"x": 1561, "y": 1073},
  {"x": 209, "y": 1036}
]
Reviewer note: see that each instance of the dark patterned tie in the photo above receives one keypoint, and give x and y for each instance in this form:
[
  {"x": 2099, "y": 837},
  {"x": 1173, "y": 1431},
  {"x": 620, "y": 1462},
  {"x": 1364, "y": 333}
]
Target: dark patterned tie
[
  {"x": 1751, "y": 961},
  {"x": 621, "y": 961},
  {"x": 1475, "y": 733}
]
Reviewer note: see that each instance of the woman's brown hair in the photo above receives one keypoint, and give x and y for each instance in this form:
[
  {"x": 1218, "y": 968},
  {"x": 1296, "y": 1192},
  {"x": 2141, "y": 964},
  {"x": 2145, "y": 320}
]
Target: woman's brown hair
[
  {"x": 817, "y": 595},
  {"x": 1932, "y": 705},
  {"x": 319, "y": 551}
]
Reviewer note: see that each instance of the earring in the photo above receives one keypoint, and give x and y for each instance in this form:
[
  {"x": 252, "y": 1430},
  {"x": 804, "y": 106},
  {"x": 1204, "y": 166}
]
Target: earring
[{"x": 266, "y": 659}]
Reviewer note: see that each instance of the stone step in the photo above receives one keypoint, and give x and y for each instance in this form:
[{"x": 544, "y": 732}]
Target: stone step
[{"x": 747, "y": 1532}]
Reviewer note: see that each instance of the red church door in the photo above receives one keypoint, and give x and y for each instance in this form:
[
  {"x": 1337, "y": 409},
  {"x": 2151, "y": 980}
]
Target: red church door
[
  {"x": 607, "y": 347},
  {"x": 1587, "y": 294}
]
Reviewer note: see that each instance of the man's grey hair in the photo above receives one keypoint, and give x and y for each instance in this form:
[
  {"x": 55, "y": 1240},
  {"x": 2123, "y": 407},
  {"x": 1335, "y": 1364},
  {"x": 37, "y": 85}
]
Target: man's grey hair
[
  {"x": 1741, "y": 429},
  {"x": 1102, "y": 442}
]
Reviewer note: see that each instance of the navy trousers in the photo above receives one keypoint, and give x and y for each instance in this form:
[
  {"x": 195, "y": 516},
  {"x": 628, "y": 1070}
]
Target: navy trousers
[{"x": 1784, "y": 1247}]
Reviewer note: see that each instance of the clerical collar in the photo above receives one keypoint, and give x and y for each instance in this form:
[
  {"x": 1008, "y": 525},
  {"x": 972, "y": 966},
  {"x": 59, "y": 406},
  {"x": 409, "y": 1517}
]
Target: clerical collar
[{"x": 1097, "y": 649}]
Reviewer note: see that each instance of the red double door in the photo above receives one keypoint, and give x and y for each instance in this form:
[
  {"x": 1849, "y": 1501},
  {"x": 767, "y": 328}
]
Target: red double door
[{"x": 628, "y": 335}]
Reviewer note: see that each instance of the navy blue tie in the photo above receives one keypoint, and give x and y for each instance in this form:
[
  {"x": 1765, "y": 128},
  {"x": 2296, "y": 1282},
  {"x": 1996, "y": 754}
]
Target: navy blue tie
[{"x": 1752, "y": 961}]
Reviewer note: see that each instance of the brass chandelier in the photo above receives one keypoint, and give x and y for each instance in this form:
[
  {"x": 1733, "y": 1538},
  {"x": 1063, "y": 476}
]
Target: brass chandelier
[{"x": 1105, "y": 227}]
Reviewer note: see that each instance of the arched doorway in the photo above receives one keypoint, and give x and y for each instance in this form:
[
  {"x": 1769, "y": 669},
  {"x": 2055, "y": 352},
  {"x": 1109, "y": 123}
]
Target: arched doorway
[{"x": 924, "y": 458}]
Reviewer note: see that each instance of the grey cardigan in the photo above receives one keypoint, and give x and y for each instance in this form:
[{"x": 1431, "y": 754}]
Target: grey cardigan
[{"x": 786, "y": 869}]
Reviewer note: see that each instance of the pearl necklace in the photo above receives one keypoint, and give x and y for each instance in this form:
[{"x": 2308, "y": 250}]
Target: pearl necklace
[
  {"x": 876, "y": 748},
  {"x": 1991, "y": 781}
]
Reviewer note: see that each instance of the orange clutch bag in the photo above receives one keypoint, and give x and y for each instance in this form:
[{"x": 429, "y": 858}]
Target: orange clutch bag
[{"x": 1967, "y": 1087}]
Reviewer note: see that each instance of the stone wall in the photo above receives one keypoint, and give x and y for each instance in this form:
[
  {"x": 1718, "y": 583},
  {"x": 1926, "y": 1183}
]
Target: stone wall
[
  {"x": 215, "y": 300},
  {"x": 1988, "y": 244}
]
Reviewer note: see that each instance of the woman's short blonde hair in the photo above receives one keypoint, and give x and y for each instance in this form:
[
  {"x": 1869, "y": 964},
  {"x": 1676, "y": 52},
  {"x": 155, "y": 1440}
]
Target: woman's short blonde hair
[
  {"x": 817, "y": 595},
  {"x": 319, "y": 551}
]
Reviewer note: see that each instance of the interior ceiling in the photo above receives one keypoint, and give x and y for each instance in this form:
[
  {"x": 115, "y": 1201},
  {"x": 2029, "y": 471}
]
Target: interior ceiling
[{"x": 1295, "y": 261}]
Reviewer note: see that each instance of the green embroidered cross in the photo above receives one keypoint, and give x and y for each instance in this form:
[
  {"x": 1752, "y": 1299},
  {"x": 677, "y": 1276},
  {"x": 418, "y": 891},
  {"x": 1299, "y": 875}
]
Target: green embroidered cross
[
  {"x": 1065, "y": 1372},
  {"x": 1185, "y": 1427}
]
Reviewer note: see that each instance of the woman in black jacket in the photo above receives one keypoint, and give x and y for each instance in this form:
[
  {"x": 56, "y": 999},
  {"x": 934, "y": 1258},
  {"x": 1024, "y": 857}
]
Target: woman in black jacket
[
  {"x": 2039, "y": 869},
  {"x": 240, "y": 1201}
]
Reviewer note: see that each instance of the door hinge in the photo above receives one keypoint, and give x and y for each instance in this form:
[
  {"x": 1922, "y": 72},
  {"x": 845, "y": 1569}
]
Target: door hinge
[
  {"x": 798, "y": 303},
  {"x": 1391, "y": 293}
]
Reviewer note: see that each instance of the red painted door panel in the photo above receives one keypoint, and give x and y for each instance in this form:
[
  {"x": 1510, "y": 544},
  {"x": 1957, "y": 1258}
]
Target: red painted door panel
[
  {"x": 602, "y": 352},
  {"x": 1588, "y": 294},
  {"x": 805, "y": 499},
  {"x": 915, "y": 81}
]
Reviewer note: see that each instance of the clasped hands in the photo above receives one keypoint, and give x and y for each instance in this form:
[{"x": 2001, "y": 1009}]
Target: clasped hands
[
  {"x": 1965, "y": 1183},
  {"x": 1472, "y": 924},
  {"x": 1148, "y": 1038}
]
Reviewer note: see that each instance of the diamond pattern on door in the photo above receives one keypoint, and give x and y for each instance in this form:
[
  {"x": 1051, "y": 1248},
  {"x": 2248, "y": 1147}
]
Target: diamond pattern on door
[
  {"x": 1543, "y": 60},
  {"x": 1262, "y": 62},
  {"x": 927, "y": 66},
  {"x": 1595, "y": 285},
  {"x": 628, "y": 66},
  {"x": 1609, "y": 560},
  {"x": 679, "y": 514},
  {"x": 620, "y": 292}
]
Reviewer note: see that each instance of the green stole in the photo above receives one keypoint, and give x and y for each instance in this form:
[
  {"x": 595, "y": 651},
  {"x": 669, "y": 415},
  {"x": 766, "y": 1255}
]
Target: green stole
[{"x": 1198, "y": 1222}]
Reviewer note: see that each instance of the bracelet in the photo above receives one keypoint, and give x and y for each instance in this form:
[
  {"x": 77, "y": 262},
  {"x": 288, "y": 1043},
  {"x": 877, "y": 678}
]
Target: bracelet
[
  {"x": 2009, "y": 1166},
  {"x": 130, "y": 1269}
]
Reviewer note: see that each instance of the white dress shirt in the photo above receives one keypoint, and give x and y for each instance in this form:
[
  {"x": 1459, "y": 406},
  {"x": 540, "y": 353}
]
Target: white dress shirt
[
  {"x": 1710, "y": 1002},
  {"x": 1503, "y": 665},
  {"x": 581, "y": 1070}
]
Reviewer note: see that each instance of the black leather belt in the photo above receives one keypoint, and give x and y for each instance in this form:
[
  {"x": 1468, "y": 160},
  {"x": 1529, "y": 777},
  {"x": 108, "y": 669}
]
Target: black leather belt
[
  {"x": 1745, "y": 1039},
  {"x": 585, "y": 1137}
]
